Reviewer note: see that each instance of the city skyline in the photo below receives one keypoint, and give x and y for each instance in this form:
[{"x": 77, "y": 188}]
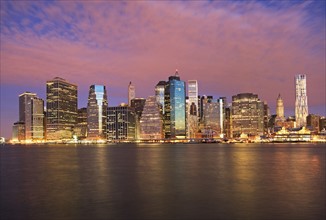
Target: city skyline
[{"x": 222, "y": 45}]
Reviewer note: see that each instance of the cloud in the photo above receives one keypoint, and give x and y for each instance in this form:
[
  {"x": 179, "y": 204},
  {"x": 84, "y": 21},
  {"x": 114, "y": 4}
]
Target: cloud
[{"x": 228, "y": 47}]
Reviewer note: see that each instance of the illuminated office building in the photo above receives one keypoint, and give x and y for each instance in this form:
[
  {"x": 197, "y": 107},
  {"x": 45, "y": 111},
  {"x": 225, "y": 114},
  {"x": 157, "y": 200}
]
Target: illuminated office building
[
  {"x": 31, "y": 113},
  {"x": 279, "y": 109},
  {"x": 138, "y": 105},
  {"x": 18, "y": 132},
  {"x": 247, "y": 115},
  {"x": 192, "y": 122},
  {"x": 313, "y": 122},
  {"x": 159, "y": 94},
  {"x": 97, "y": 112},
  {"x": 80, "y": 129},
  {"x": 25, "y": 112},
  {"x": 61, "y": 105},
  {"x": 222, "y": 105},
  {"x": 301, "y": 100},
  {"x": 151, "y": 121},
  {"x": 121, "y": 123},
  {"x": 38, "y": 119},
  {"x": 211, "y": 119},
  {"x": 131, "y": 93},
  {"x": 175, "y": 108}
]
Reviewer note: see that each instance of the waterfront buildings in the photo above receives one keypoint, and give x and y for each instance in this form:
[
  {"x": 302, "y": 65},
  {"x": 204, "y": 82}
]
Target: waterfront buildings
[
  {"x": 97, "y": 112},
  {"x": 80, "y": 129},
  {"x": 38, "y": 119},
  {"x": 279, "y": 109},
  {"x": 31, "y": 114},
  {"x": 222, "y": 105},
  {"x": 192, "y": 121},
  {"x": 313, "y": 122},
  {"x": 159, "y": 94},
  {"x": 25, "y": 112},
  {"x": 61, "y": 105},
  {"x": 301, "y": 100},
  {"x": 121, "y": 123},
  {"x": 151, "y": 121},
  {"x": 131, "y": 93},
  {"x": 18, "y": 132},
  {"x": 137, "y": 104},
  {"x": 175, "y": 108},
  {"x": 247, "y": 115},
  {"x": 192, "y": 108}
]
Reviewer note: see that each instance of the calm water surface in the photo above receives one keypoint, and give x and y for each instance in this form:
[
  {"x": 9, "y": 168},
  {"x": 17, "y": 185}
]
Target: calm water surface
[{"x": 204, "y": 181}]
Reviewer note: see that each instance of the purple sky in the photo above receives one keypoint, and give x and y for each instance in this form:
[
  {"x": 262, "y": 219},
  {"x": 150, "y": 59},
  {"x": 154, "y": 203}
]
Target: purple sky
[{"x": 229, "y": 47}]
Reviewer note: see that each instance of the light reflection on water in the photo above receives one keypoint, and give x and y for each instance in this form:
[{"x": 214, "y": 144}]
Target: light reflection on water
[{"x": 178, "y": 181}]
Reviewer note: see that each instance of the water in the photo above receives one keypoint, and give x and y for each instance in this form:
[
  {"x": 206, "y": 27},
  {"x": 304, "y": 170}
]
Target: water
[{"x": 177, "y": 181}]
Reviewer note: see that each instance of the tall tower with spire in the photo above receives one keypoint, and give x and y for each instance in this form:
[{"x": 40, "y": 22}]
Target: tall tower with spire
[
  {"x": 279, "y": 108},
  {"x": 131, "y": 93},
  {"x": 301, "y": 100}
]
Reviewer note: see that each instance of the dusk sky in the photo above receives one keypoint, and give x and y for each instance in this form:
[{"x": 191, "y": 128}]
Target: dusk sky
[{"x": 230, "y": 47}]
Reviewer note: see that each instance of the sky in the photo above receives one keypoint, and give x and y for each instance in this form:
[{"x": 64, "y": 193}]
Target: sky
[{"x": 230, "y": 47}]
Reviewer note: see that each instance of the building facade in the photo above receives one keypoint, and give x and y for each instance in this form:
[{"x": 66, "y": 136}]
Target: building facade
[
  {"x": 301, "y": 100},
  {"x": 159, "y": 94},
  {"x": 25, "y": 112},
  {"x": 38, "y": 130},
  {"x": 31, "y": 113},
  {"x": 175, "y": 108},
  {"x": 18, "y": 132},
  {"x": 192, "y": 108},
  {"x": 313, "y": 122},
  {"x": 131, "y": 93},
  {"x": 80, "y": 129},
  {"x": 97, "y": 112},
  {"x": 121, "y": 123},
  {"x": 61, "y": 105},
  {"x": 151, "y": 121},
  {"x": 279, "y": 109},
  {"x": 247, "y": 115}
]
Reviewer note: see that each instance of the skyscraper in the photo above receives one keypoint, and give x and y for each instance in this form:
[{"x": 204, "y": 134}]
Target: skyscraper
[
  {"x": 31, "y": 114},
  {"x": 121, "y": 123},
  {"x": 137, "y": 105},
  {"x": 247, "y": 115},
  {"x": 280, "y": 108},
  {"x": 159, "y": 94},
  {"x": 151, "y": 121},
  {"x": 193, "y": 93},
  {"x": 301, "y": 100},
  {"x": 131, "y": 93},
  {"x": 37, "y": 119},
  {"x": 25, "y": 112},
  {"x": 61, "y": 103},
  {"x": 222, "y": 105},
  {"x": 192, "y": 120},
  {"x": 80, "y": 129},
  {"x": 175, "y": 108},
  {"x": 97, "y": 112}
]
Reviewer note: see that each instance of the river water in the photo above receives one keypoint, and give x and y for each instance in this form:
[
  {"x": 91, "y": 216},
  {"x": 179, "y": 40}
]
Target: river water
[{"x": 163, "y": 181}]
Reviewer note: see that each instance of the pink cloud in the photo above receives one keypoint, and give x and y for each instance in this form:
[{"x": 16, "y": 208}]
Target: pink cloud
[{"x": 226, "y": 48}]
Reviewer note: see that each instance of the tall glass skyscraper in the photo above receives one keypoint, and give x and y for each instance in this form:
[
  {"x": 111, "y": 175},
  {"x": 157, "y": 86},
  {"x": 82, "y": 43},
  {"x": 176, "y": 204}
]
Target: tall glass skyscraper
[
  {"x": 25, "y": 112},
  {"x": 97, "y": 112},
  {"x": 61, "y": 105},
  {"x": 159, "y": 94},
  {"x": 175, "y": 108},
  {"x": 301, "y": 100},
  {"x": 131, "y": 93}
]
